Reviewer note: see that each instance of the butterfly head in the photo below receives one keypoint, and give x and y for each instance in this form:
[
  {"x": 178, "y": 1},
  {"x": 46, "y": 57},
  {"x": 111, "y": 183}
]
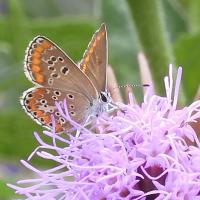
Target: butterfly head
[{"x": 105, "y": 97}]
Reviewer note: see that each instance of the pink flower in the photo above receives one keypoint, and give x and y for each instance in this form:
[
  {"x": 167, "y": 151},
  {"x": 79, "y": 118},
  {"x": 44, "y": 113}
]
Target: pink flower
[{"x": 138, "y": 153}]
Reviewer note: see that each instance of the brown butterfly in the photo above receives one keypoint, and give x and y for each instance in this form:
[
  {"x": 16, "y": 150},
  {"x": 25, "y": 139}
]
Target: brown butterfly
[{"x": 57, "y": 78}]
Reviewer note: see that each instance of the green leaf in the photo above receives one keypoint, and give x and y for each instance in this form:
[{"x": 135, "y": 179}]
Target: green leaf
[
  {"x": 187, "y": 50},
  {"x": 16, "y": 24},
  {"x": 5, "y": 192},
  {"x": 16, "y": 130},
  {"x": 44, "y": 8},
  {"x": 176, "y": 21},
  {"x": 194, "y": 16}
]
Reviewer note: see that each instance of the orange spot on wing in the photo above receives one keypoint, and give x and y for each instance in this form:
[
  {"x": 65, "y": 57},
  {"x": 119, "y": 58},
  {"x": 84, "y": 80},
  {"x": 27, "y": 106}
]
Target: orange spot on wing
[
  {"x": 84, "y": 67},
  {"x": 36, "y": 61},
  {"x": 94, "y": 44},
  {"x": 36, "y": 54},
  {"x": 38, "y": 93},
  {"x": 32, "y": 102},
  {"x": 87, "y": 59},
  {"x": 98, "y": 38},
  {"x": 102, "y": 34},
  {"x": 39, "y": 113},
  {"x": 91, "y": 50},
  {"x": 33, "y": 107},
  {"x": 58, "y": 127},
  {"x": 39, "y": 49},
  {"x": 47, "y": 119},
  {"x": 35, "y": 68},
  {"x": 39, "y": 78},
  {"x": 46, "y": 44},
  {"x": 40, "y": 90}
]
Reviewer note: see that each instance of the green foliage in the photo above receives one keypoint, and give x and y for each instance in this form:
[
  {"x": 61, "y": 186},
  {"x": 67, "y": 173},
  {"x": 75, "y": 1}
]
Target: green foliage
[
  {"x": 122, "y": 33},
  {"x": 187, "y": 51},
  {"x": 193, "y": 12},
  {"x": 17, "y": 139},
  {"x": 5, "y": 192},
  {"x": 153, "y": 35}
]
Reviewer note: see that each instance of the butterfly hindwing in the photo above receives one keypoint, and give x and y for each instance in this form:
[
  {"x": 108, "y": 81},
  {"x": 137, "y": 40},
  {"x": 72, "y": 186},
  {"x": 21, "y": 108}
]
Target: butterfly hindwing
[{"x": 39, "y": 103}]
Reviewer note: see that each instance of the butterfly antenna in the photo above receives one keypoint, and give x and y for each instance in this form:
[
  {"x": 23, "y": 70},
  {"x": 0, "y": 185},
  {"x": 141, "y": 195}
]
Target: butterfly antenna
[{"x": 131, "y": 85}]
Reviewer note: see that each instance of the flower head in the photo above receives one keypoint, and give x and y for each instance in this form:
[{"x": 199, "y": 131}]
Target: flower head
[{"x": 140, "y": 152}]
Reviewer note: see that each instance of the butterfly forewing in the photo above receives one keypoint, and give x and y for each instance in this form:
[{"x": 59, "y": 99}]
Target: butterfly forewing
[
  {"x": 48, "y": 66},
  {"x": 39, "y": 103},
  {"x": 94, "y": 61}
]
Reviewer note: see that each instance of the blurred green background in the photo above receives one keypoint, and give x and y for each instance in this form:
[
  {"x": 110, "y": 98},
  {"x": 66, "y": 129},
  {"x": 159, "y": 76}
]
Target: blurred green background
[{"x": 167, "y": 31}]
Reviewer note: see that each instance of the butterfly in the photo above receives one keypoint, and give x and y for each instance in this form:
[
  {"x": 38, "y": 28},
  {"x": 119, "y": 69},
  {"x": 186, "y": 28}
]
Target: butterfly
[{"x": 57, "y": 77}]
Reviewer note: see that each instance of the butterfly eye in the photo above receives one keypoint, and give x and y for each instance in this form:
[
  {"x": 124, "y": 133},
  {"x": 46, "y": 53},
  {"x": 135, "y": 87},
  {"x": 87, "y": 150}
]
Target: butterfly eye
[{"x": 103, "y": 97}]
